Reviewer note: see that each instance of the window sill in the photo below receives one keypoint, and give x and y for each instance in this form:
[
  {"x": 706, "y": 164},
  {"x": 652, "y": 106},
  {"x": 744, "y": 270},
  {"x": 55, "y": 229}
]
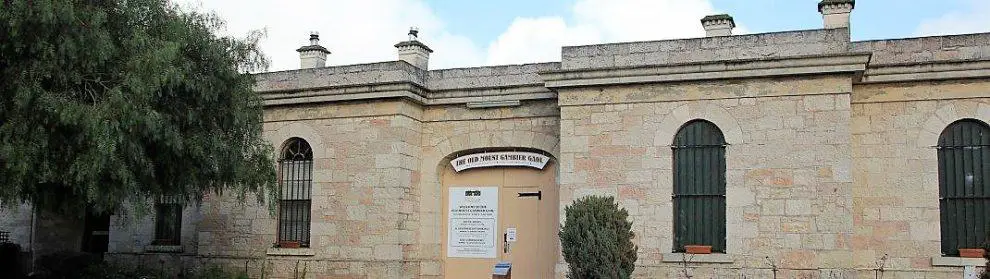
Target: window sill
[
  {"x": 957, "y": 261},
  {"x": 163, "y": 248},
  {"x": 697, "y": 258},
  {"x": 291, "y": 252}
]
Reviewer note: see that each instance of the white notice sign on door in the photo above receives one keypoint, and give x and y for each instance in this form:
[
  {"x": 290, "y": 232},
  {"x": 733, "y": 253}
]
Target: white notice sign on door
[{"x": 472, "y": 218}]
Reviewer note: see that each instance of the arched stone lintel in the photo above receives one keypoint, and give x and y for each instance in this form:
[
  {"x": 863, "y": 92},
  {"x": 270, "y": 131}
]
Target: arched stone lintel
[
  {"x": 303, "y": 131},
  {"x": 945, "y": 115},
  {"x": 477, "y": 140},
  {"x": 712, "y": 112}
]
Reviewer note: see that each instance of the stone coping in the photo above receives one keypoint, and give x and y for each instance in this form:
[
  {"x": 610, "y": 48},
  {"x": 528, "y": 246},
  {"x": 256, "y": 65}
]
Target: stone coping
[
  {"x": 697, "y": 258},
  {"x": 957, "y": 261},
  {"x": 163, "y": 248},
  {"x": 414, "y": 43},
  {"x": 290, "y": 252},
  {"x": 802, "y": 65}
]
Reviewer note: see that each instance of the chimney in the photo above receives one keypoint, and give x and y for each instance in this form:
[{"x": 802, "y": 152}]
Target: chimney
[
  {"x": 718, "y": 25},
  {"x": 413, "y": 51},
  {"x": 835, "y": 13},
  {"x": 313, "y": 55}
]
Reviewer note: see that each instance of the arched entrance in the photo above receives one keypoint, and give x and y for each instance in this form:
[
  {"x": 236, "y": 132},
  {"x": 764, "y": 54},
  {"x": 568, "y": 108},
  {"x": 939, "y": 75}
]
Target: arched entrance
[{"x": 519, "y": 227}]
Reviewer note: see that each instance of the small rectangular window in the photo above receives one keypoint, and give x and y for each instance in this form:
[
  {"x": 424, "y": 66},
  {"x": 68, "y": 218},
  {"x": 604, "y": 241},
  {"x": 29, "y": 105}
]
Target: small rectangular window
[{"x": 168, "y": 221}]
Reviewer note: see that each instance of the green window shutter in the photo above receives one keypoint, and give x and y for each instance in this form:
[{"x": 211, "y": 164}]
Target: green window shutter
[
  {"x": 699, "y": 186},
  {"x": 964, "y": 185}
]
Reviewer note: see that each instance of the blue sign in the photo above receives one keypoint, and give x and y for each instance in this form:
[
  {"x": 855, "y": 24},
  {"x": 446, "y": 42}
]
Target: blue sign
[{"x": 502, "y": 268}]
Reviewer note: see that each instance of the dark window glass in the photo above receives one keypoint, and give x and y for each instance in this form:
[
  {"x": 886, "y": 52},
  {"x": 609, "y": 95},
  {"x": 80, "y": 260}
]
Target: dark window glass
[
  {"x": 963, "y": 185},
  {"x": 699, "y": 186},
  {"x": 295, "y": 184}
]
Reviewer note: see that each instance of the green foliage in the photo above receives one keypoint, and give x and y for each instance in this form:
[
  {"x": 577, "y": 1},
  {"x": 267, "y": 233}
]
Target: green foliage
[
  {"x": 112, "y": 102},
  {"x": 986, "y": 255},
  {"x": 597, "y": 239}
]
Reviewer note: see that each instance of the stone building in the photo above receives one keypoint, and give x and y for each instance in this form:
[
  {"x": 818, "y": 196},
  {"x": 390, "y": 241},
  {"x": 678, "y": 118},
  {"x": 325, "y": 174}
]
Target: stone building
[{"x": 800, "y": 153}]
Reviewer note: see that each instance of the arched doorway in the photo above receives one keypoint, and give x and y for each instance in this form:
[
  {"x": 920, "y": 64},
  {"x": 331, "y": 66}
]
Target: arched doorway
[{"x": 525, "y": 225}]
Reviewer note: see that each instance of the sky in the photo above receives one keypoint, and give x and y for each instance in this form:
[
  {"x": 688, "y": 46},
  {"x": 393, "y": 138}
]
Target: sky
[{"x": 470, "y": 33}]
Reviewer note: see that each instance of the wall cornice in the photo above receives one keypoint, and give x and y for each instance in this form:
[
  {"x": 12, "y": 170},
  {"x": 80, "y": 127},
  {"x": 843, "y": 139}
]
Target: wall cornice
[
  {"x": 926, "y": 71},
  {"x": 854, "y": 63}
]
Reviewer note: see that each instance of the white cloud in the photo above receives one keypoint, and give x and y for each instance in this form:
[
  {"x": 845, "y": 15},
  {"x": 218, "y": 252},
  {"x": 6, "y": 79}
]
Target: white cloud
[
  {"x": 600, "y": 21},
  {"x": 354, "y": 31},
  {"x": 363, "y": 31},
  {"x": 974, "y": 19},
  {"x": 529, "y": 40}
]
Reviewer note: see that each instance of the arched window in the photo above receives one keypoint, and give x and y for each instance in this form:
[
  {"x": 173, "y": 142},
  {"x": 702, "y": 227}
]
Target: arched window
[
  {"x": 964, "y": 185},
  {"x": 295, "y": 179},
  {"x": 699, "y": 186}
]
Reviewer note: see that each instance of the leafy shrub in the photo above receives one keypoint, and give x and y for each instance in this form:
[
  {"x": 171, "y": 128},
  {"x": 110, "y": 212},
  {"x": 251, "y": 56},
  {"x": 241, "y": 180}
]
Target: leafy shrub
[
  {"x": 596, "y": 239},
  {"x": 986, "y": 268}
]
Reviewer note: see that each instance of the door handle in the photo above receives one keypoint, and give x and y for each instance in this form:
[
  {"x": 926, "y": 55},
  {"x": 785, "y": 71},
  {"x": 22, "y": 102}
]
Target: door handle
[{"x": 537, "y": 194}]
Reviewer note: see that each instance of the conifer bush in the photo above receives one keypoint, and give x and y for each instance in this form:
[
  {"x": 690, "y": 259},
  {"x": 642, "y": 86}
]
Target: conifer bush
[
  {"x": 986, "y": 268},
  {"x": 596, "y": 239}
]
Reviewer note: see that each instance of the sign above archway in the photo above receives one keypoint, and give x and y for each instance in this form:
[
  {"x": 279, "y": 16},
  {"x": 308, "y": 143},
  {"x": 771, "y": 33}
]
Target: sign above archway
[{"x": 500, "y": 159}]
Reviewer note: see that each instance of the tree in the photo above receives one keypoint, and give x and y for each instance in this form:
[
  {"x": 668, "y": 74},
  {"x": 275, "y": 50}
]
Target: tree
[
  {"x": 596, "y": 239},
  {"x": 111, "y": 102}
]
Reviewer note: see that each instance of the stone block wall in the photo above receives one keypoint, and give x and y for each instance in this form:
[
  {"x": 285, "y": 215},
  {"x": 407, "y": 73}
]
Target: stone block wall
[
  {"x": 927, "y": 50},
  {"x": 133, "y": 234},
  {"x": 788, "y": 171},
  {"x": 895, "y": 196},
  {"x": 16, "y": 219},
  {"x": 51, "y": 233},
  {"x": 364, "y": 201},
  {"x": 746, "y": 47},
  {"x": 495, "y": 76},
  {"x": 348, "y": 75}
]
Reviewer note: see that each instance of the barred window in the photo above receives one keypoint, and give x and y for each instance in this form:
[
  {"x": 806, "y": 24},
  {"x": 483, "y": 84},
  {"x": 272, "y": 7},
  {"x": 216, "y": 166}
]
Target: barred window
[
  {"x": 168, "y": 221},
  {"x": 699, "y": 186},
  {"x": 964, "y": 185},
  {"x": 295, "y": 184}
]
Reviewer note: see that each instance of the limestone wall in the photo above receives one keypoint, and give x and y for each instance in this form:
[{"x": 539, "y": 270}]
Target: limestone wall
[
  {"x": 755, "y": 46},
  {"x": 484, "y": 77},
  {"x": 349, "y": 75},
  {"x": 895, "y": 194},
  {"x": 17, "y": 221},
  {"x": 131, "y": 234},
  {"x": 55, "y": 233},
  {"x": 788, "y": 174},
  {"x": 926, "y": 50}
]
